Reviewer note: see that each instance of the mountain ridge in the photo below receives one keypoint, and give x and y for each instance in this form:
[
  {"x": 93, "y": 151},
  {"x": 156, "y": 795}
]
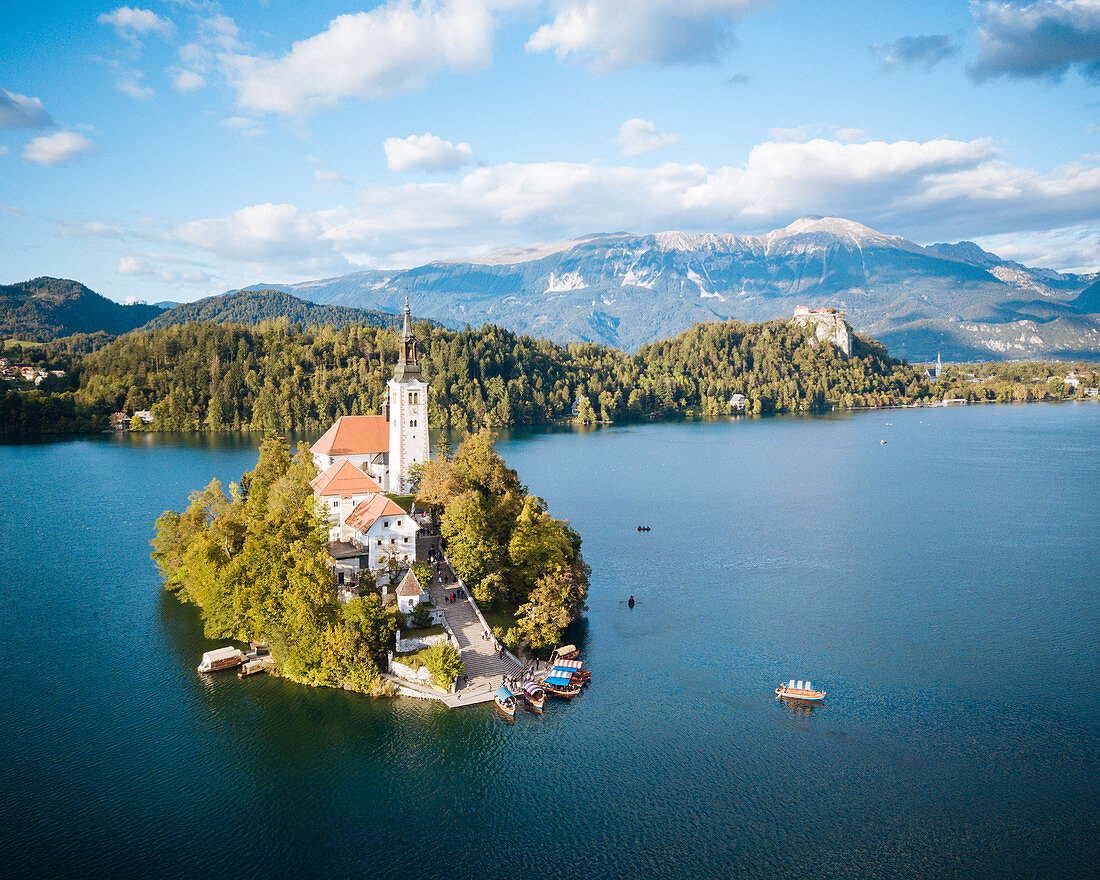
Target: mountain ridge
[
  {"x": 45, "y": 308},
  {"x": 626, "y": 289}
]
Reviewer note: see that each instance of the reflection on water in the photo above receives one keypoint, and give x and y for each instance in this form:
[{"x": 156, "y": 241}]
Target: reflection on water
[{"x": 940, "y": 585}]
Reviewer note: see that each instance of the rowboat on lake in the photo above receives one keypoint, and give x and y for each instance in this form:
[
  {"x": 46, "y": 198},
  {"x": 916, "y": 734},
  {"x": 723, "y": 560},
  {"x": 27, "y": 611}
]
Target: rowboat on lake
[
  {"x": 505, "y": 701},
  {"x": 560, "y": 683},
  {"x": 221, "y": 658},
  {"x": 799, "y": 690},
  {"x": 534, "y": 695}
]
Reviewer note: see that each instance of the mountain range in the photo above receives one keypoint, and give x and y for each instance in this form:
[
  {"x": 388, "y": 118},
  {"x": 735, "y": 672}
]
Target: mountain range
[{"x": 624, "y": 289}]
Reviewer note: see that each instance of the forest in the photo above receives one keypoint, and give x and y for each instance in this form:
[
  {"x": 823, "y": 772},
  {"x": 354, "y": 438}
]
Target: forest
[{"x": 281, "y": 376}]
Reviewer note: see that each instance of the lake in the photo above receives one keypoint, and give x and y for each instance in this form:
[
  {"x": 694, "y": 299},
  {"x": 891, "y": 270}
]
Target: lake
[{"x": 941, "y": 587}]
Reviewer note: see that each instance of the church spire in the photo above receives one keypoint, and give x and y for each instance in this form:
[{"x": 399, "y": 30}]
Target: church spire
[{"x": 407, "y": 367}]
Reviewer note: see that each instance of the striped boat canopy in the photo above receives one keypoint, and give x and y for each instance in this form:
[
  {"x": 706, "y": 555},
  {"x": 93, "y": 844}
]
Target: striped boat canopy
[
  {"x": 809, "y": 685},
  {"x": 562, "y": 670},
  {"x": 532, "y": 687},
  {"x": 503, "y": 694},
  {"x": 568, "y": 664},
  {"x": 790, "y": 684},
  {"x": 558, "y": 680}
]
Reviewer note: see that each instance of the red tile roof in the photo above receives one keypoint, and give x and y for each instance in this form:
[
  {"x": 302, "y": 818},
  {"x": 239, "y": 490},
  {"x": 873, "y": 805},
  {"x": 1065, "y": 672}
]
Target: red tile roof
[
  {"x": 369, "y": 510},
  {"x": 355, "y": 435},
  {"x": 344, "y": 478},
  {"x": 409, "y": 586}
]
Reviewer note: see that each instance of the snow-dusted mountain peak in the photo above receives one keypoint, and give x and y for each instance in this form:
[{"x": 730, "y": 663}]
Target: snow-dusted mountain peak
[{"x": 838, "y": 226}]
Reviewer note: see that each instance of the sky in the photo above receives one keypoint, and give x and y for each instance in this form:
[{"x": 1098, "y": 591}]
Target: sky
[{"x": 175, "y": 150}]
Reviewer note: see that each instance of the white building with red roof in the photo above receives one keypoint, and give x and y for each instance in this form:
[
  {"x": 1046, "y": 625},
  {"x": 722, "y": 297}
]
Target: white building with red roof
[
  {"x": 384, "y": 530},
  {"x": 339, "y": 490},
  {"x": 385, "y": 446}
]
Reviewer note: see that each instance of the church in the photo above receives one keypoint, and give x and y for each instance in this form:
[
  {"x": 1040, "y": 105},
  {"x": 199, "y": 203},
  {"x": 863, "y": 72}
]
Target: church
[
  {"x": 362, "y": 458},
  {"x": 385, "y": 446}
]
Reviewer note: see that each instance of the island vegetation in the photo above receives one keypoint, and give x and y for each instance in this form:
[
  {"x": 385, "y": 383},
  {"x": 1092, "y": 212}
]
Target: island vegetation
[
  {"x": 517, "y": 560},
  {"x": 278, "y": 376},
  {"x": 253, "y": 560}
]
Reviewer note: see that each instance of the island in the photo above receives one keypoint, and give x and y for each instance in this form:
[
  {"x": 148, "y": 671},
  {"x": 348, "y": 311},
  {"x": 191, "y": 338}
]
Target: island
[{"x": 321, "y": 557}]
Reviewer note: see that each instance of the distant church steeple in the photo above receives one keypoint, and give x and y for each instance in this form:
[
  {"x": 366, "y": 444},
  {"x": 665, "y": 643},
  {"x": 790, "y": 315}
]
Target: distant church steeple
[
  {"x": 406, "y": 350},
  {"x": 939, "y": 364}
]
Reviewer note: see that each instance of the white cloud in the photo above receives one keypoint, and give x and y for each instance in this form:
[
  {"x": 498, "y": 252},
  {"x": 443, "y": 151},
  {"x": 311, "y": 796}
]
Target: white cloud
[
  {"x": 798, "y": 133},
  {"x": 188, "y": 81},
  {"x": 393, "y": 48},
  {"x": 611, "y": 34},
  {"x": 851, "y": 135},
  {"x": 133, "y": 266},
  {"x": 3, "y": 151},
  {"x": 925, "y": 51},
  {"x": 1042, "y": 39},
  {"x": 329, "y": 180},
  {"x": 425, "y": 152},
  {"x": 937, "y": 190},
  {"x": 19, "y": 111},
  {"x": 57, "y": 148},
  {"x": 639, "y": 136},
  {"x": 130, "y": 23},
  {"x": 244, "y": 126}
]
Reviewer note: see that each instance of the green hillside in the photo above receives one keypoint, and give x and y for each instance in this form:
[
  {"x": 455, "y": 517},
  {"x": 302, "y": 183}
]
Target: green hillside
[
  {"x": 253, "y": 306},
  {"x": 47, "y": 308}
]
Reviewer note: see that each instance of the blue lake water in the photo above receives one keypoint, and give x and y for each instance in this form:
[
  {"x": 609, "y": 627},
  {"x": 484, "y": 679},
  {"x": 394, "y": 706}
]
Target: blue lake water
[{"x": 942, "y": 587}]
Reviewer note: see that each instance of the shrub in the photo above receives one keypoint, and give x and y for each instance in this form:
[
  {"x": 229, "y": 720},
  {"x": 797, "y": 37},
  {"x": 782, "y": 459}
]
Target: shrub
[
  {"x": 421, "y": 616},
  {"x": 444, "y": 663}
]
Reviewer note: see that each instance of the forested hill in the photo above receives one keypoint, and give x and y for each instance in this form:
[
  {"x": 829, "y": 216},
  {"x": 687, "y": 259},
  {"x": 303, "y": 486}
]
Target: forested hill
[
  {"x": 46, "y": 308},
  {"x": 280, "y": 376},
  {"x": 254, "y": 306}
]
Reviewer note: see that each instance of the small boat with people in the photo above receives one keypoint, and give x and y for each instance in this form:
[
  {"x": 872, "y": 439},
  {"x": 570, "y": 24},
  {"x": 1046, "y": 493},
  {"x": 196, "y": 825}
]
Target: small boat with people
[
  {"x": 221, "y": 658},
  {"x": 630, "y": 601},
  {"x": 799, "y": 690},
  {"x": 505, "y": 701},
  {"x": 534, "y": 696},
  {"x": 560, "y": 682}
]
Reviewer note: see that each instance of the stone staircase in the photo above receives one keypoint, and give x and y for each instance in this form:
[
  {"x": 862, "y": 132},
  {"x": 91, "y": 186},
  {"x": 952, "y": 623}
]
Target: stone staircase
[{"x": 483, "y": 666}]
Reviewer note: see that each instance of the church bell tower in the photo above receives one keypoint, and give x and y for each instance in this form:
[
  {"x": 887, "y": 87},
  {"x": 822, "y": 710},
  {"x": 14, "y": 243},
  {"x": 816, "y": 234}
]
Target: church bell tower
[{"x": 408, "y": 411}]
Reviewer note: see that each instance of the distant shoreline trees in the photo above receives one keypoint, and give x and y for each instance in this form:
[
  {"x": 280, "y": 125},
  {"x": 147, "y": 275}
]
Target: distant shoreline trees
[{"x": 277, "y": 376}]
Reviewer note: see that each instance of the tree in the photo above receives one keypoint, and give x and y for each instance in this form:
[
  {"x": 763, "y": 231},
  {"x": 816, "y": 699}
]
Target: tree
[
  {"x": 136, "y": 424},
  {"x": 421, "y": 616},
  {"x": 586, "y": 415},
  {"x": 444, "y": 663}
]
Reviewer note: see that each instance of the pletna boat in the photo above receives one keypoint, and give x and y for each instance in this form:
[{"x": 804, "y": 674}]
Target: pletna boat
[
  {"x": 565, "y": 652},
  {"x": 799, "y": 690},
  {"x": 579, "y": 675},
  {"x": 559, "y": 683},
  {"x": 534, "y": 696},
  {"x": 505, "y": 701},
  {"x": 221, "y": 658}
]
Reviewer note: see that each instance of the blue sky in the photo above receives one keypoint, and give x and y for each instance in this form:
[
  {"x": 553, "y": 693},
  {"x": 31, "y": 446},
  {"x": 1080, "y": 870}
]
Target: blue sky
[{"x": 173, "y": 150}]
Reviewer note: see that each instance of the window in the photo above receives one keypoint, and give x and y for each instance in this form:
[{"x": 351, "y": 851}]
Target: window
[
  {"x": 412, "y": 423},
  {"x": 398, "y": 523},
  {"x": 414, "y": 398},
  {"x": 335, "y": 504},
  {"x": 385, "y": 523}
]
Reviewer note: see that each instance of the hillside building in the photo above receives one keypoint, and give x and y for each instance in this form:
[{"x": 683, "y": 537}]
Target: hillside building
[
  {"x": 829, "y": 326},
  {"x": 362, "y": 458}
]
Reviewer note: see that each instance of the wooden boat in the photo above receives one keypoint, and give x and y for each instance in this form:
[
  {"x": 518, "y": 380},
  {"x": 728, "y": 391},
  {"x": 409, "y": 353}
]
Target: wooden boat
[
  {"x": 221, "y": 658},
  {"x": 252, "y": 667},
  {"x": 505, "y": 701},
  {"x": 560, "y": 683},
  {"x": 566, "y": 652},
  {"x": 799, "y": 690},
  {"x": 573, "y": 668},
  {"x": 534, "y": 696}
]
